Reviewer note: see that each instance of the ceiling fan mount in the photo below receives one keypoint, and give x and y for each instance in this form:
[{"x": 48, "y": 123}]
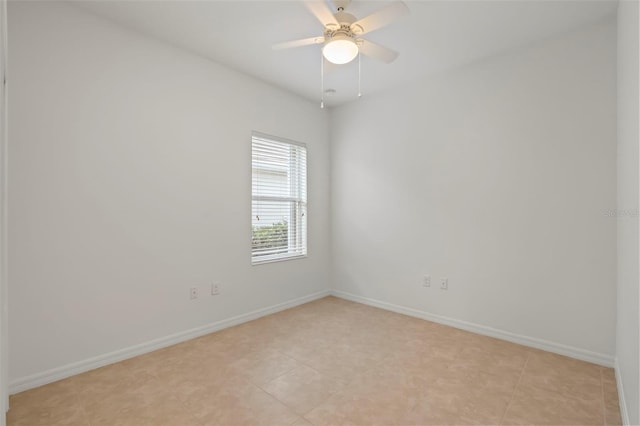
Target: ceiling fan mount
[{"x": 341, "y": 4}]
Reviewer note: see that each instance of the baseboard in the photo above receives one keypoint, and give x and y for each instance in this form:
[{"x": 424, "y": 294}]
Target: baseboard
[
  {"x": 59, "y": 373},
  {"x": 581, "y": 354},
  {"x": 623, "y": 404}
]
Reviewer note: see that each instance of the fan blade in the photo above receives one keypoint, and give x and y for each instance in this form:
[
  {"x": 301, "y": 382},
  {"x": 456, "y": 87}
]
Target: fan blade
[
  {"x": 322, "y": 12},
  {"x": 381, "y": 18},
  {"x": 298, "y": 43},
  {"x": 377, "y": 51}
]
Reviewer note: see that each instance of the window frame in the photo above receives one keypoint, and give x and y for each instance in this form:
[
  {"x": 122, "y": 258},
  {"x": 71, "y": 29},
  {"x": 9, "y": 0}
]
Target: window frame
[{"x": 298, "y": 231}]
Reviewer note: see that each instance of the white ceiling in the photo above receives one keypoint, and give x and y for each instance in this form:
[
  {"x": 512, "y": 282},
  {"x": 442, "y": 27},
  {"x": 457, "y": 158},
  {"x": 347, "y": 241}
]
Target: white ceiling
[{"x": 436, "y": 36}]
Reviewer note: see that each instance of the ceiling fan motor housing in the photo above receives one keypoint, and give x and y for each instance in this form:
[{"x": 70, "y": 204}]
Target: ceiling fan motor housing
[{"x": 346, "y": 28}]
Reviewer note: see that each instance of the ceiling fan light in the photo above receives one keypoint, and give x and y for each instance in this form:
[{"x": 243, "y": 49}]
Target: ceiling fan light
[{"x": 340, "y": 50}]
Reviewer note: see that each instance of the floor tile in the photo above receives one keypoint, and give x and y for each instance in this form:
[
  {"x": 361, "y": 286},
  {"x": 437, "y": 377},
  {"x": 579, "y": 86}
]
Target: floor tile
[
  {"x": 563, "y": 375},
  {"x": 302, "y": 422},
  {"x": 532, "y": 405},
  {"x": 331, "y": 362},
  {"x": 146, "y": 403},
  {"x": 263, "y": 366},
  {"x": 239, "y": 402},
  {"x": 303, "y": 389}
]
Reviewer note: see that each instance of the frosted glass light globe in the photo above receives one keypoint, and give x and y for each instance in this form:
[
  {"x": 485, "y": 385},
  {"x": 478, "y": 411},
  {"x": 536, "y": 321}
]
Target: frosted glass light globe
[{"x": 340, "y": 50}]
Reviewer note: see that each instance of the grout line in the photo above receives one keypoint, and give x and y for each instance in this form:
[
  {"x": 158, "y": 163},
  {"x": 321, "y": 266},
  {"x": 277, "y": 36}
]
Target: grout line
[
  {"x": 277, "y": 399},
  {"x": 515, "y": 389},
  {"x": 345, "y": 384},
  {"x": 280, "y": 401},
  {"x": 280, "y": 375},
  {"x": 276, "y": 378},
  {"x": 300, "y": 416},
  {"x": 304, "y": 363},
  {"x": 296, "y": 420}
]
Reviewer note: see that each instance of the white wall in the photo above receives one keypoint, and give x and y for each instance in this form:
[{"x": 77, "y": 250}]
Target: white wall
[
  {"x": 130, "y": 182},
  {"x": 4, "y": 311},
  {"x": 497, "y": 176},
  {"x": 628, "y": 278}
]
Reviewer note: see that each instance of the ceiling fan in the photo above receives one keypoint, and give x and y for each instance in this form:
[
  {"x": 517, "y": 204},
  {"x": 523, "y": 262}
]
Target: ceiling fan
[{"x": 341, "y": 38}]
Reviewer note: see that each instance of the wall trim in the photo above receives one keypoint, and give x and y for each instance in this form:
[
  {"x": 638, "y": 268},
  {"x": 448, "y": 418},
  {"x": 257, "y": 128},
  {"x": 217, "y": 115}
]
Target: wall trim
[
  {"x": 623, "y": 404},
  {"x": 59, "y": 373},
  {"x": 570, "y": 351}
]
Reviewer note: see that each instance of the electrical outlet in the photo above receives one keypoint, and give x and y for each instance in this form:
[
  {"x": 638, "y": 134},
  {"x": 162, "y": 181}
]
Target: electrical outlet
[
  {"x": 444, "y": 283},
  {"x": 193, "y": 293},
  {"x": 426, "y": 281},
  {"x": 215, "y": 289}
]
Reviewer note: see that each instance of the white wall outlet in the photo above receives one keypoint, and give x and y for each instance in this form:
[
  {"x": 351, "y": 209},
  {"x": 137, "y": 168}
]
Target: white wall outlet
[
  {"x": 215, "y": 289},
  {"x": 444, "y": 283},
  {"x": 193, "y": 293},
  {"x": 426, "y": 281}
]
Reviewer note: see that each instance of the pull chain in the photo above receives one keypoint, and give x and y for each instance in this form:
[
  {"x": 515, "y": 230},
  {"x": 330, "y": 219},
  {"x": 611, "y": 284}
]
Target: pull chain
[
  {"x": 359, "y": 76},
  {"x": 321, "y": 80}
]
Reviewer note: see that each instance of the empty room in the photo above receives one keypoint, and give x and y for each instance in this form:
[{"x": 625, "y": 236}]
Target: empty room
[{"x": 322, "y": 212}]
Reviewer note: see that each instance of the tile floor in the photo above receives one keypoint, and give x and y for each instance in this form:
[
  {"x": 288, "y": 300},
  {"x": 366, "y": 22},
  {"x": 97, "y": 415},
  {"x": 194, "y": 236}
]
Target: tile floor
[{"x": 331, "y": 362}]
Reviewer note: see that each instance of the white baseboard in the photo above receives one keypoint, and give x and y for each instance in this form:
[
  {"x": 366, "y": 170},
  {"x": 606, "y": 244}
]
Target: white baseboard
[
  {"x": 59, "y": 373},
  {"x": 623, "y": 404},
  {"x": 581, "y": 354}
]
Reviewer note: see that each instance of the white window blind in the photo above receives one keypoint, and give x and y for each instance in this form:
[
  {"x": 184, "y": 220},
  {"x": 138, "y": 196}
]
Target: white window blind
[{"x": 279, "y": 199}]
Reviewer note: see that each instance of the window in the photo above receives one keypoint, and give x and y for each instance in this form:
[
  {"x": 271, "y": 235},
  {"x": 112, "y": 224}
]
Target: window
[{"x": 279, "y": 199}]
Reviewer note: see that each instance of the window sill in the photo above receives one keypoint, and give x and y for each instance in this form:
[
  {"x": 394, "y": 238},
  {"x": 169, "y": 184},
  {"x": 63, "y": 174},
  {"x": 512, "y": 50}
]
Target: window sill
[{"x": 277, "y": 259}]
